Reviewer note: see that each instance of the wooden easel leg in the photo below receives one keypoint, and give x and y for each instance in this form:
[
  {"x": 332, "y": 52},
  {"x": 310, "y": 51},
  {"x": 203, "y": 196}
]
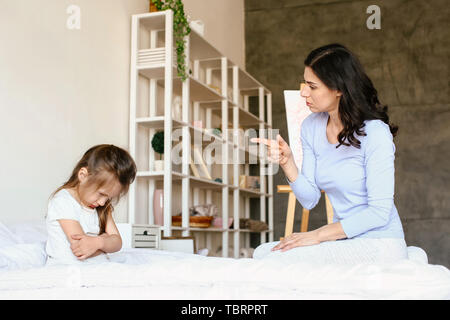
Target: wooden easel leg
[
  {"x": 290, "y": 215},
  {"x": 305, "y": 220}
]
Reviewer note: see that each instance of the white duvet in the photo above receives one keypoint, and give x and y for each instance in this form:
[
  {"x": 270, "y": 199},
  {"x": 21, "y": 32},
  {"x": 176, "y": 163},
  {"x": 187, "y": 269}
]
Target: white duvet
[{"x": 154, "y": 274}]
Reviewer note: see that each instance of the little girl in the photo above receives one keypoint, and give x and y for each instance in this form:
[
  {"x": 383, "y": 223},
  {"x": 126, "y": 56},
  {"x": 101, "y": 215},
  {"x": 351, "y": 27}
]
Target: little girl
[{"x": 79, "y": 217}]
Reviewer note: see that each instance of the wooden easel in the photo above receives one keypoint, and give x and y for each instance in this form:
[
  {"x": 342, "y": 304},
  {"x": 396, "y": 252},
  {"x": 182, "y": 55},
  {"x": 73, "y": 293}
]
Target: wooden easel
[{"x": 305, "y": 212}]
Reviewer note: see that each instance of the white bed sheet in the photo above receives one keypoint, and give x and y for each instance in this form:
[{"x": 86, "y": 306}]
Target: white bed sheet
[{"x": 154, "y": 274}]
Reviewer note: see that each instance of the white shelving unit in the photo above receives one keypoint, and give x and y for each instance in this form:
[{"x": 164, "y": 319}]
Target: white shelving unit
[{"x": 218, "y": 92}]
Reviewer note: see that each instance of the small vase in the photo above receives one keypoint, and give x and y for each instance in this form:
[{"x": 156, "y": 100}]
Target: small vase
[
  {"x": 176, "y": 109},
  {"x": 158, "y": 207}
]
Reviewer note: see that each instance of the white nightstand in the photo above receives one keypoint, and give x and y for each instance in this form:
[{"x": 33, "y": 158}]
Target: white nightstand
[{"x": 140, "y": 235}]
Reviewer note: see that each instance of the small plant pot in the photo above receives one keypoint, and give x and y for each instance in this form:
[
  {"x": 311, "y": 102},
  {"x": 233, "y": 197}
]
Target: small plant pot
[
  {"x": 152, "y": 7},
  {"x": 159, "y": 165}
]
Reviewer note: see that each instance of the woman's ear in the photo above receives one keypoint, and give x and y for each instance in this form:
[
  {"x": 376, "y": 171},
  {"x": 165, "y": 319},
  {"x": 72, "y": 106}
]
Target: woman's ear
[{"x": 83, "y": 174}]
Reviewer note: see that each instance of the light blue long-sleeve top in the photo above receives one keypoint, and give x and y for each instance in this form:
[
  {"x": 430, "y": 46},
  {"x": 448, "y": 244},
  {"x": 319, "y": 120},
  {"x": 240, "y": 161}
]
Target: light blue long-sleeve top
[{"x": 358, "y": 182}]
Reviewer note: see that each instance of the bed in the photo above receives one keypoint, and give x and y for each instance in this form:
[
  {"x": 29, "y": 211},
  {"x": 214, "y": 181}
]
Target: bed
[{"x": 156, "y": 274}]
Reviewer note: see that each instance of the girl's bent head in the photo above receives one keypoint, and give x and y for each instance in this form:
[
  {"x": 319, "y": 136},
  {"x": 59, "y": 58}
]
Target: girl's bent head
[
  {"x": 102, "y": 176},
  {"x": 105, "y": 172}
]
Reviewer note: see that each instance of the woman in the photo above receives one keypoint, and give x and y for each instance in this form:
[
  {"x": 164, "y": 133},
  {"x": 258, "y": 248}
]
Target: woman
[{"x": 348, "y": 152}]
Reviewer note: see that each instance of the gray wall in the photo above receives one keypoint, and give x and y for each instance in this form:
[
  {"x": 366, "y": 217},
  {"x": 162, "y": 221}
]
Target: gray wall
[{"x": 408, "y": 61}]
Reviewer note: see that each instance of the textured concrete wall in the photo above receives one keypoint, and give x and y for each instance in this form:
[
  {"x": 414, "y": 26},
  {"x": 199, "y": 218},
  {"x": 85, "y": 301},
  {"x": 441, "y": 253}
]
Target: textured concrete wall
[{"x": 408, "y": 62}]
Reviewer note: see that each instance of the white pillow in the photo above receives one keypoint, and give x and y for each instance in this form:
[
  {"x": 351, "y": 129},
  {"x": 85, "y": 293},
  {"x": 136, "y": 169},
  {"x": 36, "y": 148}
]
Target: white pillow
[
  {"x": 7, "y": 238},
  {"x": 22, "y": 245},
  {"x": 29, "y": 232},
  {"x": 23, "y": 256}
]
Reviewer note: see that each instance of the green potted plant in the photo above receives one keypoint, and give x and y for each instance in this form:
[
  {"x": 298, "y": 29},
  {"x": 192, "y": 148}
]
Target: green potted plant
[
  {"x": 180, "y": 30},
  {"x": 158, "y": 146}
]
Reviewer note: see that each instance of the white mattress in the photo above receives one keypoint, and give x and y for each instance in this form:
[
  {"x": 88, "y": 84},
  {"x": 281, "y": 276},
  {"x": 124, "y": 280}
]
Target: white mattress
[{"x": 154, "y": 274}]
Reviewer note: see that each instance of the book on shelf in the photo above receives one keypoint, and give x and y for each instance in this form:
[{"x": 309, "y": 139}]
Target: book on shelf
[{"x": 158, "y": 207}]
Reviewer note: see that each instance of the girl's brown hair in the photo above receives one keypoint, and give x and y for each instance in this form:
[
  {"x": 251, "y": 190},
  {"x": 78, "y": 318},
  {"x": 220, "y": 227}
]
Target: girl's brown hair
[{"x": 104, "y": 163}]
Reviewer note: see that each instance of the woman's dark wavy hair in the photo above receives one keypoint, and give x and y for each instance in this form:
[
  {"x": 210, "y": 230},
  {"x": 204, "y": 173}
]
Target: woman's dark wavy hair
[{"x": 339, "y": 69}]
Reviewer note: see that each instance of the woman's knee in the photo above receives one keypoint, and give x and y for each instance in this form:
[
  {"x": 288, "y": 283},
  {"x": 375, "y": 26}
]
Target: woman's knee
[{"x": 264, "y": 249}]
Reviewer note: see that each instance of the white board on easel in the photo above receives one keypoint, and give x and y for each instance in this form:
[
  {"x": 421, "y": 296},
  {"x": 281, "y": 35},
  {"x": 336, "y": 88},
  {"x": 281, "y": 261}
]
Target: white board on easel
[{"x": 296, "y": 112}]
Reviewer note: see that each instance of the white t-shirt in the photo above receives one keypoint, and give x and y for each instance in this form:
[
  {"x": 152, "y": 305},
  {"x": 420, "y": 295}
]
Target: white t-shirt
[{"x": 64, "y": 206}]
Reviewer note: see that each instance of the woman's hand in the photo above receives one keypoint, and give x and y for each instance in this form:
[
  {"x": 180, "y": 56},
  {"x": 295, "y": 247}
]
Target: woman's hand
[
  {"x": 85, "y": 246},
  {"x": 279, "y": 152},
  {"x": 298, "y": 240}
]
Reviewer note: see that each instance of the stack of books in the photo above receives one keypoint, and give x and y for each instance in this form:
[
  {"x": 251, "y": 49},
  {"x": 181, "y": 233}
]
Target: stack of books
[{"x": 153, "y": 57}]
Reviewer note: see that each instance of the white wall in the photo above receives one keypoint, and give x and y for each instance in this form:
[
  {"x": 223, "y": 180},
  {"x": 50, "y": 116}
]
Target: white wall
[
  {"x": 63, "y": 91},
  {"x": 224, "y": 25}
]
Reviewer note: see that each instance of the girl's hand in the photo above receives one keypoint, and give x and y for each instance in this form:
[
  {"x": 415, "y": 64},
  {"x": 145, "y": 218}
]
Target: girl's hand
[
  {"x": 278, "y": 150},
  {"x": 85, "y": 246},
  {"x": 298, "y": 240}
]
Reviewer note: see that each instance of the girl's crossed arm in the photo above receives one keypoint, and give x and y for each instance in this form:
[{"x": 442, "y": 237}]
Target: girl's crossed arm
[{"x": 85, "y": 246}]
